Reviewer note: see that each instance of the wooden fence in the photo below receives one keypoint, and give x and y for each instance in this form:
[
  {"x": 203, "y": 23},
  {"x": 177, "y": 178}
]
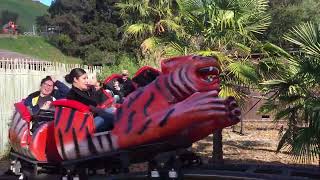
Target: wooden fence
[{"x": 20, "y": 77}]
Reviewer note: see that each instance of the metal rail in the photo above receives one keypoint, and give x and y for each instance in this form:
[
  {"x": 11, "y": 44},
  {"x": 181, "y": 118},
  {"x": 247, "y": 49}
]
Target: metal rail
[{"x": 235, "y": 172}]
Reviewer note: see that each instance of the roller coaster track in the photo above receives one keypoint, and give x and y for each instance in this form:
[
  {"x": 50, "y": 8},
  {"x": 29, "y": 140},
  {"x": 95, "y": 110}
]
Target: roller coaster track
[
  {"x": 239, "y": 171},
  {"x": 226, "y": 171}
]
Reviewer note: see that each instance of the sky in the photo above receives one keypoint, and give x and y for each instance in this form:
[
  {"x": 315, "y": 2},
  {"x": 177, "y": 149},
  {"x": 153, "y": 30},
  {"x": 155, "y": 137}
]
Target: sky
[{"x": 46, "y": 2}]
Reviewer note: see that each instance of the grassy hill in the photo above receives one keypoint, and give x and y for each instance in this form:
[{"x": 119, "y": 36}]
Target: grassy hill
[
  {"x": 36, "y": 47},
  {"x": 27, "y": 10}
]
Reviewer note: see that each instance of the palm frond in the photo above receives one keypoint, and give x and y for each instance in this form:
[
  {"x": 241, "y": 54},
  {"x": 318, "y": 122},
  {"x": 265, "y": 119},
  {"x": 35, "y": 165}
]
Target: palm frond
[
  {"x": 175, "y": 49},
  {"x": 306, "y": 36},
  {"x": 150, "y": 44},
  {"x": 244, "y": 71},
  {"x": 139, "y": 30}
]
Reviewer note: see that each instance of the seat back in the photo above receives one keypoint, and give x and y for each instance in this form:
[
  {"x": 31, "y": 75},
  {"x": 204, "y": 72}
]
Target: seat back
[
  {"x": 73, "y": 124},
  {"x": 19, "y": 133},
  {"x": 145, "y": 76}
]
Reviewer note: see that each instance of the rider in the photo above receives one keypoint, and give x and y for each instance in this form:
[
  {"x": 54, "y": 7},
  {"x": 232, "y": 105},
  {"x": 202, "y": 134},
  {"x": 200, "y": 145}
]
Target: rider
[
  {"x": 94, "y": 98},
  {"x": 42, "y": 99}
]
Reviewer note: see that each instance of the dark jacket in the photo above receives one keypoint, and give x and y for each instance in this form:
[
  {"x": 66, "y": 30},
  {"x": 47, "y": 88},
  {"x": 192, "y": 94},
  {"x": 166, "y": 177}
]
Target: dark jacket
[
  {"x": 91, "y": 97},
  {"x": 127, "y": 87},
  {"x": 32, "y": 100}
]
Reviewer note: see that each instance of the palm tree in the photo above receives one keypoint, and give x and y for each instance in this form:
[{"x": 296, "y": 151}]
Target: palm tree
[
  {"x": 223, "y": 28},
  {"x": 226, "y": 29},
  {"x": 296, "y": 96},
  {"x": 150, "y": 23}
]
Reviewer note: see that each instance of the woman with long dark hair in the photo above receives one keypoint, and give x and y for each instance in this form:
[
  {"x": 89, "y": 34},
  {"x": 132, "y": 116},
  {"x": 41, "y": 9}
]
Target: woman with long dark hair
[{"x": 83, "y": 92}]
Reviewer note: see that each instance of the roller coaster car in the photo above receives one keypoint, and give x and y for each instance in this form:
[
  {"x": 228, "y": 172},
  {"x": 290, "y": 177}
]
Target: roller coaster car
[
  {"x": 177, "y": 107},
  {"x": 141, "y": 78}
]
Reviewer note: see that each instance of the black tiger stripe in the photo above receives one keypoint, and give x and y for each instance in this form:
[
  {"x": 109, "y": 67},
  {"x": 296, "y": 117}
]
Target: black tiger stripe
[
  {"x": 133, "y": 99},
  {"x": 70, "y": 120},
  {"x": 181, "y": 73},
  {"x": 166, "y": 118},
  {"x": 85, "y": 119},
  {"x": 156, "y": 83},
  {"x": 64, "y": 156},
  {"x": 176, "y": 88},
  {"x": 13, "y": 118},
  {"x": 58, "y": 116},
  {"x": 20, "y": 129},
  {"x": 145, "y": 126},
  {"x": 169, "y": 95},
  {"x": 186, "y": 69},
  {"x": 119, "y": 114},
  {"x": 75, "y": 142},
  {"x": 100, "y": 141},
  {"x": 14, "y": 114},
  {"x": 170, "y": 86},
  {"x": 186, "y": 75},
  {"x": 110, "y": 141},
  {"x": 91, "y": 146},
  {"x": 130, "y": 121},
  {"x": 146, "y": 106},
  {"x": 17, "y": 122}
]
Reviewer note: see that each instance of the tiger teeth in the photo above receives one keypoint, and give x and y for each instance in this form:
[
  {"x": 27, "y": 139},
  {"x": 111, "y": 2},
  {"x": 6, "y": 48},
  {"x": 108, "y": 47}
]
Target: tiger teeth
[{"x": 210, "y": 78}]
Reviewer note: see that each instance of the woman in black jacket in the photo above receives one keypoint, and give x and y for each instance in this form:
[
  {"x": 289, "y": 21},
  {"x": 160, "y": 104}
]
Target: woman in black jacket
[{"x": 81, "y": 91}]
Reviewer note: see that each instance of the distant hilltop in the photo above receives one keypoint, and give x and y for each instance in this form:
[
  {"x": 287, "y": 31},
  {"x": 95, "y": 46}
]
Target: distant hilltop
[{"x": 28, "y": 11}]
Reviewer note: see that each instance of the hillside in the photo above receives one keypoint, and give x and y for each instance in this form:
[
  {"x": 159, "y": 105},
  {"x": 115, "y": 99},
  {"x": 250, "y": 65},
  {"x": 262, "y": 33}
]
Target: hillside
[
  {"x": 36, "y": 47},
  {"x": 27, "y": 10}
]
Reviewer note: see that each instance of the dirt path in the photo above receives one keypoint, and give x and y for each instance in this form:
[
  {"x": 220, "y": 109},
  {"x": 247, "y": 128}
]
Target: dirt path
[
  {"x": 9, "y": 54},
  {"x": 257, "y": 145}
]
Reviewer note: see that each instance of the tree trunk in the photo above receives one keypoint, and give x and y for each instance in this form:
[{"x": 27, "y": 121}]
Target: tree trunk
[{"x": 217, "y": 153}]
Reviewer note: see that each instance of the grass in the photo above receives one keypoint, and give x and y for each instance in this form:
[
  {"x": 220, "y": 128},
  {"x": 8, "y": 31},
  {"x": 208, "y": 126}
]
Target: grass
[
  {"x": 27, "y": 10},
  {"x": 36, "y": 47}
]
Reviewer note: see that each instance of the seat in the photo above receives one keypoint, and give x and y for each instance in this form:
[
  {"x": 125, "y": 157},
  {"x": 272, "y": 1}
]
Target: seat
[{"x": 72, "y": 104}]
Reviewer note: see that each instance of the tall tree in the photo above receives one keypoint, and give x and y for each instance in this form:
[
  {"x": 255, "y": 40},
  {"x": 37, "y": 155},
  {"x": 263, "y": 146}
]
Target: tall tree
[
  {"x": 150, "y": 23},
  {"x": 289, "y": 13},
  {"x": 226, "y": 29},
  {"x": 223, "y": 28},
  {"x": 7, "y": 16},
  {"x": 89, "y": 29}
]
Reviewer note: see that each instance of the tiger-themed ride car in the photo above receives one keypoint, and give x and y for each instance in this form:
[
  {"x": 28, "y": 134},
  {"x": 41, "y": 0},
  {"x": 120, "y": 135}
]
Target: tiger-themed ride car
[{"x": 178, "y": 106}]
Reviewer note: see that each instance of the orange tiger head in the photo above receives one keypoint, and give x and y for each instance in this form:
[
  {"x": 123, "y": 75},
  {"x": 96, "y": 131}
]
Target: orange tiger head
[{"x": 189, "y": 74}]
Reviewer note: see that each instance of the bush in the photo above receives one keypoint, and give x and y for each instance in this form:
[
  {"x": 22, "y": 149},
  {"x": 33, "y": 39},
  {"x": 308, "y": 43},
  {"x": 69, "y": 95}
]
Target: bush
[{"x": 124, "y": 61}]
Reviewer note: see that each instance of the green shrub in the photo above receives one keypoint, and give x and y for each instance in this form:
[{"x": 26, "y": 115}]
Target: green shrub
[{"x": 123, "y": 61}]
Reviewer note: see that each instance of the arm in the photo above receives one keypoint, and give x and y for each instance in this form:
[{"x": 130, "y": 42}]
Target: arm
[
  {"x": 62, "y": 90},
  {"x": 28, "y": 101}
]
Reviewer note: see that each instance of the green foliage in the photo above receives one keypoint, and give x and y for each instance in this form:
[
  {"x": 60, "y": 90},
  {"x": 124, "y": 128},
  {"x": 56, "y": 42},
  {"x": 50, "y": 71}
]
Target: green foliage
[
  {"x": 37, "y": 47},
  {"x": 123, "y": 62},
  {"x": 27, "y": 11},
  {"x": 287, "y": 14},
  {"x": 149, "y": 22},
  {"x": 88, "y": 29},
  {"x": 295, "y": 94},
  {"x": 7, "y": 16}
]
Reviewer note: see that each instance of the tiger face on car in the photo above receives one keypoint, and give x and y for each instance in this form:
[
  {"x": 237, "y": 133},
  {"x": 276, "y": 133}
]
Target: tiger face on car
[{"x": 183, "y": 99}]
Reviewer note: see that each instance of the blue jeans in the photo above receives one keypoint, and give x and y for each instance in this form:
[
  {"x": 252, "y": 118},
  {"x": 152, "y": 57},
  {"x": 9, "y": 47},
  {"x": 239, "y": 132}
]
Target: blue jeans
[{"x": 104, "y": 120}]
